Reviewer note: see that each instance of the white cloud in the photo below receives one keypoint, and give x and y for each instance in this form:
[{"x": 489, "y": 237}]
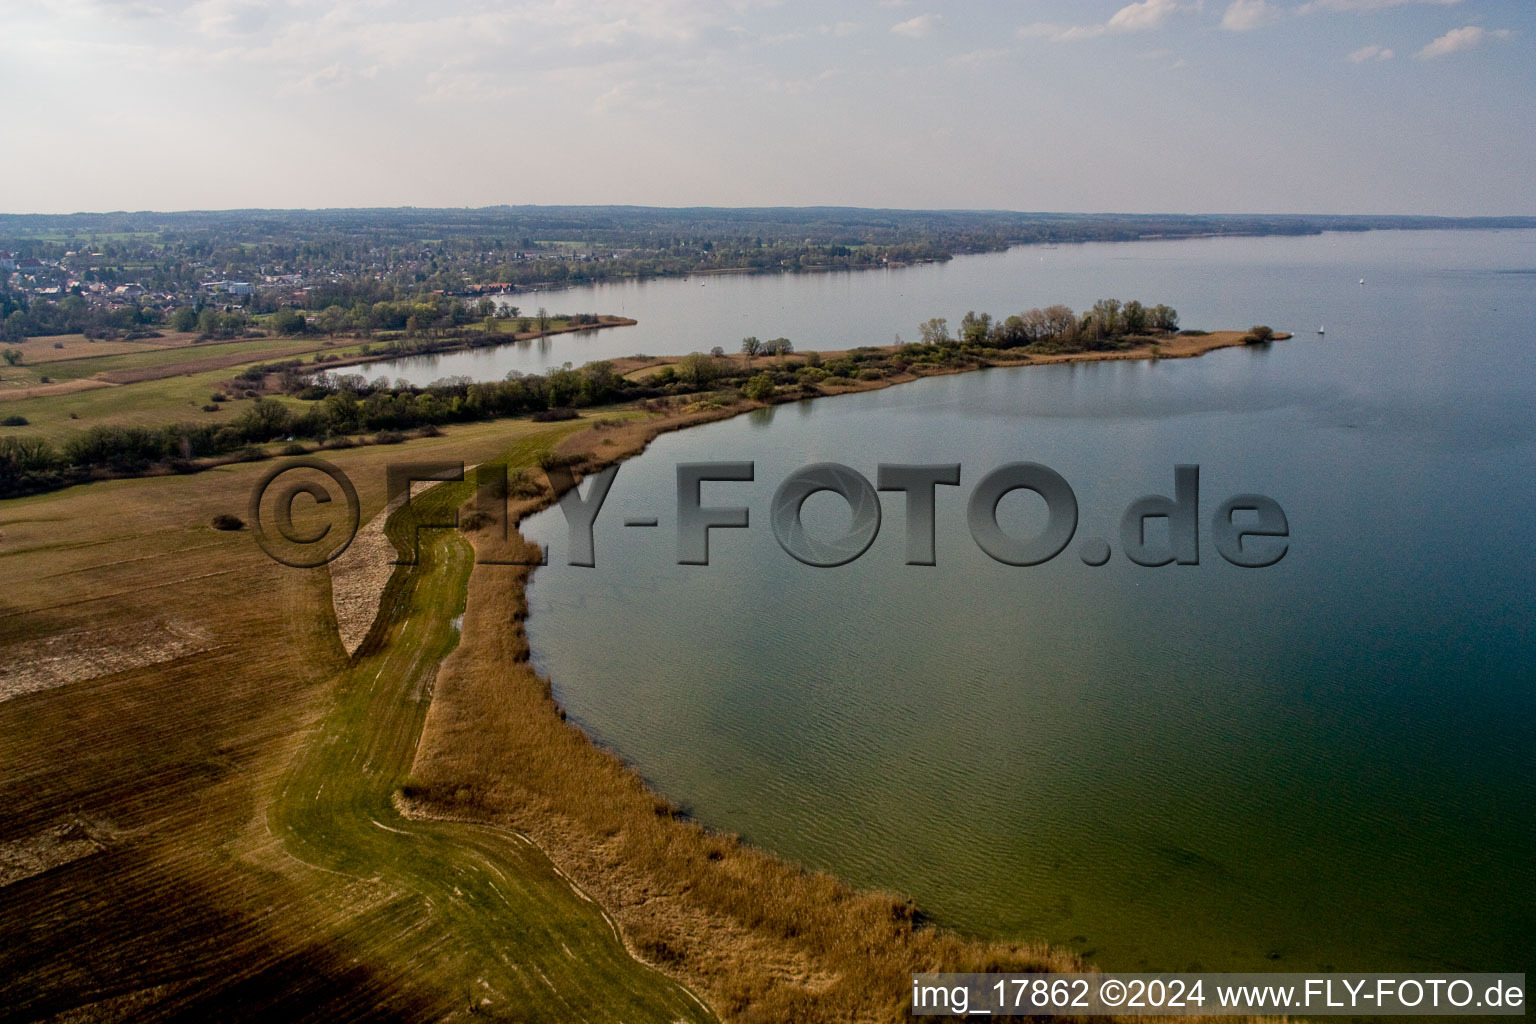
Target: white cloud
[
  {"x": 1139, "y": 17},
  {"x": 229, "y": 17},
  {"x": 1368, "y": 5},
  {"x": 1247, "y": 15},
  {"x": 916, "y": 28},
  {"x": 1142, "y": 16},
  {"x": 1457, "y": 39},
  {"x": 840, "y": 30},
  {"x": 1367, "y": 53}
]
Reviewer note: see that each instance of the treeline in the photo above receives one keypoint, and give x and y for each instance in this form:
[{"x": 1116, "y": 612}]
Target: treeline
[
  {"x": 340, "y": 407},
  {"x": 23, "y": 317},
  {"x": 1109, "y": 323}
]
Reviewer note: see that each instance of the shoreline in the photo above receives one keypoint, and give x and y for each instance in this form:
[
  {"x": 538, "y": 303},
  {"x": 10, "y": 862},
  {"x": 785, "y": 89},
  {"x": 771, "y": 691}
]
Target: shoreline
[
  {"x": 755, "y": 933},
  {"x": 604, "y": 320}
]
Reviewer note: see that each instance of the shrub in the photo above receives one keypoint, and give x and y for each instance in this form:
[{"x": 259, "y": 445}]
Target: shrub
[
  {"x": 14, "y": 421},
  {"x": 549, "y": 460},
  {"x": 759, "y": 388},
  {"x": 295, "y": 449},
  {"x": 225, "y": 521},
  {"x": 1193, "y": 333},
  {"x": 211, "y": 408},
  {"x": 475, "y": 521},
  {"x": 870, "y": 373},
  {"x": 554, "y": 415},
  {"x": 1260, "y": 333},
  {"x": 388, "y": 437},
  {"x": 521, "y": 485}
]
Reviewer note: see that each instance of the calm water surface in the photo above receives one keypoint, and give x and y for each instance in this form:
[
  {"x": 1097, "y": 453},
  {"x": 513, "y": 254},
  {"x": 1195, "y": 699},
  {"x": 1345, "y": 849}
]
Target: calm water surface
[{"x": 1327, "y": 762}]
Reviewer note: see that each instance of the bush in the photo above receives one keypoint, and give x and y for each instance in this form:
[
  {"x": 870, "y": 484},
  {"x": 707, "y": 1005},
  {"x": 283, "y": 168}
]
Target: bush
[
  {"x": 217, "y": 396},
  {"x": 521, "y": 485},
  {"x": 211, "y": 408},
  {"x": 295, "y": 449},
  {"x": 1193, "y": 334},
  {"x": 225, "y": 521},
  {"x": 759, "y": 388},
  {"x": 553, "y": 415},
  {"x": 14, "y": 421},
  {"x": 549, "y": 460},
  {"x": 475, "y": 521},
  {"x": 870, "y": 373},
  {"x": 388, "y": 437},
  {"x": 1260, "y": 334}
]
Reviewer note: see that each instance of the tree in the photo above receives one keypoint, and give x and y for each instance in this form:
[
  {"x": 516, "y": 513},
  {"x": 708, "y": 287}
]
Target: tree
[
  {"x": 750, "y": 347},
  {"x": 1135, "y": 317},
  {"x": 718, "y": 352},
  {"x": 759, "y": 388},
  {"x": 1165, "y": 318},
  {"x": 935, "y": 331},
  {"x": 1060, "y": 322},
  {"x": 331, "y": 319},
  {"x": 697, "y": 370},
  {"x": 1106, "y": 318},
  {"x": 12, "y": 356},
  {"x": 543, "y": 319},
  {"x": 974, "y": 329},
  {"x": 184, "y": 319},
  {"x": 287, "y": 321}
]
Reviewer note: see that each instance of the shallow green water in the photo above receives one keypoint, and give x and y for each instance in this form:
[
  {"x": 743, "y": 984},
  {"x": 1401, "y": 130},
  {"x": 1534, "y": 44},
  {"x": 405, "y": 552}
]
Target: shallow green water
[{"x": 1327, "y": 762}]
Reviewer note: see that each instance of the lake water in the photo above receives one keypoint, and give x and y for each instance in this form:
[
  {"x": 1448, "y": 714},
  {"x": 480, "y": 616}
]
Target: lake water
[
  {"x": 1292, "y": 283},
  {"x": 1328, "y": 762}
]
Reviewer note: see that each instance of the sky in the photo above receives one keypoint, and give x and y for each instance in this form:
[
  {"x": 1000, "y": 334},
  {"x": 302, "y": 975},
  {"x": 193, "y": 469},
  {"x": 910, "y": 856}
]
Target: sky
[{"x": 1179, "y": 106}]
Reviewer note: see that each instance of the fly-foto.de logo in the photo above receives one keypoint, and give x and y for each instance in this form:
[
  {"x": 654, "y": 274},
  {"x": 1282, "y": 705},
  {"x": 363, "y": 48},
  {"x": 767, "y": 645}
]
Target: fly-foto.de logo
[{"x": 1248, "y": 530}]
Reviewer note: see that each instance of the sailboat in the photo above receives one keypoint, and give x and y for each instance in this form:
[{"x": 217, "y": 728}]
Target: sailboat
[{"x": 1321, "y": 331}]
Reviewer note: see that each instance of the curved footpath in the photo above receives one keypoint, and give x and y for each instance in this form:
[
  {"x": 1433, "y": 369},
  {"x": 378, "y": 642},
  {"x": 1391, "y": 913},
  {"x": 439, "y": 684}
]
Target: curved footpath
[{"x": 503, "y": 935}]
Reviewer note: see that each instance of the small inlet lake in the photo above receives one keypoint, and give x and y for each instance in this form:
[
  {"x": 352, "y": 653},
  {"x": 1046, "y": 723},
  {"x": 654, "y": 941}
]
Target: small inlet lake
[{"x": 1330, "y": 762}]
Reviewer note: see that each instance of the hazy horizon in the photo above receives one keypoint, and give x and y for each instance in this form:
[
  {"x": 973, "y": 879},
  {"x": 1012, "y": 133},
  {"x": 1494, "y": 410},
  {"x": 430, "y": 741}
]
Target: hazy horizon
[
  {"x": 1377, "y": 107},
  {"x": 771, "y": 207}
]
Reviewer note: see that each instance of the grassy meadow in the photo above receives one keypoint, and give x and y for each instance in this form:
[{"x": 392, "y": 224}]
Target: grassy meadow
[{"x": 242, "y": 855}]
